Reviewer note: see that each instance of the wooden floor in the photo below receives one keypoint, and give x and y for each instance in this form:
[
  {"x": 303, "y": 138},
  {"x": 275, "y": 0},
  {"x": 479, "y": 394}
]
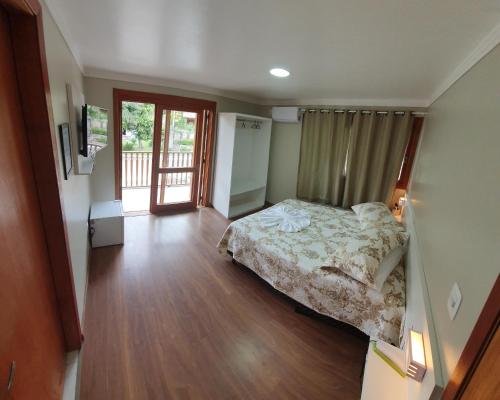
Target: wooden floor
[{"x": 168, "y": 317}]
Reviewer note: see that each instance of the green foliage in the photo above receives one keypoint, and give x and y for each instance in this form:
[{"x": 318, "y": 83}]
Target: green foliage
[
  {"x": 186, "y": 142},
  {"x": 144, "y": 127},
  {"x": 99, "y": 131},
  {"x": 138, "y": 118},
  {"x": 97, "y": 113},
  {"x": 180, "y": 122},
  {"x": 129, "y": 145},
  {"x": 129, "y": 115}
]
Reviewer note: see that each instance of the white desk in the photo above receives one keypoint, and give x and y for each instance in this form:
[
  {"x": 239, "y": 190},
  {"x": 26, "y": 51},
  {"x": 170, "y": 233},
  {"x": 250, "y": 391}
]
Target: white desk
[{"x": 380, "y": 381}]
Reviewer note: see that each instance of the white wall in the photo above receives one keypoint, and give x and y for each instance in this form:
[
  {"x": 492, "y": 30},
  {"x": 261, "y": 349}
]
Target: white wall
[
  {"x": 419, "y": 318},
  {"x": 99, "y": 92},
  {"x": 458, "y": 236},
  {"x": 76, "y": 190},
  {"x": 62, "y": 68},
  {"x": 283, "y": 162}
]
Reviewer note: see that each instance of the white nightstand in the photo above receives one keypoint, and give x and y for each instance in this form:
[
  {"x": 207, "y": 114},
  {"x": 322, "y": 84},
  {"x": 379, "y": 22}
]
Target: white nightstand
[
  {"x": 380, "y": 381},
  {"x": 106, "y": 223}
]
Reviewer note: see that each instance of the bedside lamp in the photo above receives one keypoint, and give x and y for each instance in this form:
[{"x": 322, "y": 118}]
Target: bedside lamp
[{"x": 416, "y": 359}]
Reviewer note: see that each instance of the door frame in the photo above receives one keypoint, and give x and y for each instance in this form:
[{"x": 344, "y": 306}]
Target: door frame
[
  {"x": 476, "y": 345},
  {"x": 156, "y": 170},
  {"x": 165, "y": 100},
  {"x": 26, "y": 26}
]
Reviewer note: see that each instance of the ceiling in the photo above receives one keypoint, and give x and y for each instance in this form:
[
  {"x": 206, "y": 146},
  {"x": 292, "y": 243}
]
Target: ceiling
[{"x": 384, "y": 52}]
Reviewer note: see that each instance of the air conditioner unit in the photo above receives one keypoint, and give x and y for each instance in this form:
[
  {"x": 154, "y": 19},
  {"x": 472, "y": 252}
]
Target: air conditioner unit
[{"x": 286, "y": 114}]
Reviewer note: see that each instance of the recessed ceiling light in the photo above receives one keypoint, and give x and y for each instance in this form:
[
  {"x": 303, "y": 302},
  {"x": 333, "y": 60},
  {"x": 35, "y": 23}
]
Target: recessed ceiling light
[{"x": 279, "y": 72}]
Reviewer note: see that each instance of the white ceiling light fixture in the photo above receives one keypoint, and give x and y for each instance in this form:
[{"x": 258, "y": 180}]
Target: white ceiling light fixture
[{"x": 279, "y": 72}]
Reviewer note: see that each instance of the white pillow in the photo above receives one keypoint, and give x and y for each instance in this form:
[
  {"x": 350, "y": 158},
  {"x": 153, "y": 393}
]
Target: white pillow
[
  {"x": 362, "y": 254},
  {"x": 374, "y": 214},
  {"x": 387, "y": 265}
]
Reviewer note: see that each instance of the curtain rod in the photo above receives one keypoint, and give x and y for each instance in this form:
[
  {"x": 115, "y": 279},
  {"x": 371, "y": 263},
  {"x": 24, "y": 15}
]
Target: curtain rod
[
  {"x": 255, "y": 121},
  {"x": 324, "y": 110}
]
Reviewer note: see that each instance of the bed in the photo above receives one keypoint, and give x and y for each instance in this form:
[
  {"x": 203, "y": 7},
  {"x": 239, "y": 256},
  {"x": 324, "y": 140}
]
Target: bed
[{"x": 300, "y": 265}]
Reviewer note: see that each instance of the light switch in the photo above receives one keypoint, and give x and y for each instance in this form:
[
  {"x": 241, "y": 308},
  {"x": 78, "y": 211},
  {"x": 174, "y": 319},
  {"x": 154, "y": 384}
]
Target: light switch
[{"x": 454, "y": 300}]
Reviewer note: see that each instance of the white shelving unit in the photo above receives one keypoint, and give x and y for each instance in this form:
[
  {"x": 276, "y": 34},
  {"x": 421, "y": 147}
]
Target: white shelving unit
[
  {"x": 241, "y": 163},
  {"x": 380, "y": 381}
]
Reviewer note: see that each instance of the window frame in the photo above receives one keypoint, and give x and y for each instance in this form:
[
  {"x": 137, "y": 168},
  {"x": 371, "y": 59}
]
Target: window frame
[{"x": 410, "y": 152}]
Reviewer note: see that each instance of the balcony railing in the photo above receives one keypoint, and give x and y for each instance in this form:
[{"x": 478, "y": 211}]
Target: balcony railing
[
  {"x": 93, "y": 148},
  {"x": 136, "y": 168}
]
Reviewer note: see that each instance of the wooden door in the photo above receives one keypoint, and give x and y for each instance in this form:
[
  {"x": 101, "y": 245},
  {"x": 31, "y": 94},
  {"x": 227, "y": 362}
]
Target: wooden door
[
  {"x": 476, "y": 373},
  {"x": 193, "y": 171},
  {"x": 176, "y": 158},
  {"x": 30, "y": 326},
  {"x": 484, "y": 383}
]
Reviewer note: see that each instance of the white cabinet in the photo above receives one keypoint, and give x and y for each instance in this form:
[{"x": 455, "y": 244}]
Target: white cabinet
[
  {"x": 241, "y": 163},
  {"x": 106, "y": 223},
  {"x": 380, "y": 381}
]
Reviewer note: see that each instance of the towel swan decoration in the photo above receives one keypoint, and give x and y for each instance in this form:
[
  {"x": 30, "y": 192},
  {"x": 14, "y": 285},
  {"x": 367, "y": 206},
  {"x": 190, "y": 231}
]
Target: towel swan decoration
[{"x": 287, "y": 219}]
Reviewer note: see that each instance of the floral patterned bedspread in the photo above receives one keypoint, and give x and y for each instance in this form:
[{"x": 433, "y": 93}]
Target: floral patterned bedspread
[{"x": 299, "y": 265}]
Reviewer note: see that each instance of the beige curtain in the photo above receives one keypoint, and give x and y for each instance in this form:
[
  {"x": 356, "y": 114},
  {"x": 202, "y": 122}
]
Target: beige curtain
[
  {"x": 376, "y": 149},
  {"x": 325, "y": 138}
]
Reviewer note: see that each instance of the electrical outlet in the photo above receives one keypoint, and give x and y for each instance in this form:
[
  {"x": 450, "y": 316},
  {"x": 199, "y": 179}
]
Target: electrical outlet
[{"x": 454, "y": 300}]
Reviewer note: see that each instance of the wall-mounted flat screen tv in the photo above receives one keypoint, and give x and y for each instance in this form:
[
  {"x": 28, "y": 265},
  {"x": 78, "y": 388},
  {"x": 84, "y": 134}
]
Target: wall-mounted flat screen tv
[{"x": 94, "y": 130}]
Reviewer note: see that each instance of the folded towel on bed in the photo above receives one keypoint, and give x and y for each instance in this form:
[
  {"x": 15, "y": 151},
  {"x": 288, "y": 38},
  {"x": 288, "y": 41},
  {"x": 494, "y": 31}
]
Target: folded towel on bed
[{"x": 287, "y": 219}]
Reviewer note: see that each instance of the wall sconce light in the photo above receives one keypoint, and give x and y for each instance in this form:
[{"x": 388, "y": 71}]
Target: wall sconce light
[
  {"x": 403, "y": 201},
  {"x": 416, "y": 358}
]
